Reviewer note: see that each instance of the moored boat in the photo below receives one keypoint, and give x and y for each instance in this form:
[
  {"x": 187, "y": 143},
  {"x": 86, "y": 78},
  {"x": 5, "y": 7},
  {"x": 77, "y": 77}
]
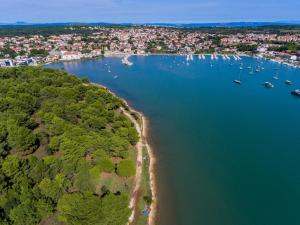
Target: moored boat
[
  {"x": 296, "y": 93},
  {"x": 237, "y": 81},
  {"x": 269, "y": 85},
  {"x": 126, "y": 62},
  {"x": 288, "y": 82}
]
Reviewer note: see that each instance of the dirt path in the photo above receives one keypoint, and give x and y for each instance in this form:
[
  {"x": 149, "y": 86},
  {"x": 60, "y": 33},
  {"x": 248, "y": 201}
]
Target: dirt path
[
  {"x": 142, "y": 143},
  {"x": 139, "y": 166}
]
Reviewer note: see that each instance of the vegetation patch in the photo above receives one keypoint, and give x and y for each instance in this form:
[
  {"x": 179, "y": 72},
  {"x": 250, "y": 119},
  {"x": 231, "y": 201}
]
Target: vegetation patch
[
  {"x": 58, "y": 134},
  {"x": 126, "y": 168}
]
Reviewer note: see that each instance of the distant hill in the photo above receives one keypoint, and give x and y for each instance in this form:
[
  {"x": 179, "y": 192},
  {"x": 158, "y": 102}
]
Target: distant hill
[
  {"x": 229, "y": 24},
  {"x": 221, "y": 24}
]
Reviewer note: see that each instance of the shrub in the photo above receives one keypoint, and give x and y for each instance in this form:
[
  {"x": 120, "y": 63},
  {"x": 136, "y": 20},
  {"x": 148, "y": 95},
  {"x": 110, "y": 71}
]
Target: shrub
[{"x": 126, "y": 168}]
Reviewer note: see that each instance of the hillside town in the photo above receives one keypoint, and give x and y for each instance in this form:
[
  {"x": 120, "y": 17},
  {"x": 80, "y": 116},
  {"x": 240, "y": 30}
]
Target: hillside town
[{"x": 121, "y": 41}]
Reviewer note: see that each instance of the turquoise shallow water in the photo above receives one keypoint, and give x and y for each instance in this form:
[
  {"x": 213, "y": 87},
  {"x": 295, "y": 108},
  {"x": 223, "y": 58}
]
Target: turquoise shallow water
[{"x": 228, "y": 154}]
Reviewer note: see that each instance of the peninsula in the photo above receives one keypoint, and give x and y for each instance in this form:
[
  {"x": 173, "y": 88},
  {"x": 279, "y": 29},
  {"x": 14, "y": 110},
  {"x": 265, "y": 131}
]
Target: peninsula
[{"x": 71, "y": 152}]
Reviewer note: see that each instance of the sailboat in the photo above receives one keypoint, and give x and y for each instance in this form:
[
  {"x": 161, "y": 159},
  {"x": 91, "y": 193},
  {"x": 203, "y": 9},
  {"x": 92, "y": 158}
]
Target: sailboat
[
  {"x": 241, "y": 66},
  {"x": 251, "y": 72},
  {"x": 238, "y": 81},
  {"x": 189, "y": 57},
  {"x": 276, "y": 77},
  {"x": 126, "y": 62}
]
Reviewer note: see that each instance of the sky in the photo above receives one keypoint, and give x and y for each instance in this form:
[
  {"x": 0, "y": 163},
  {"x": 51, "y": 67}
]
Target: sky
[{"x": 140, "y": 11}]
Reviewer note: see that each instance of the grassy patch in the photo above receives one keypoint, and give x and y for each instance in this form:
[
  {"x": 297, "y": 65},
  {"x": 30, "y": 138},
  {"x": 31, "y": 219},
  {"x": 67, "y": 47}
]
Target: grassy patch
[
  {"x": 145, "y": 189},
  {"x": 114, "y": 183}
]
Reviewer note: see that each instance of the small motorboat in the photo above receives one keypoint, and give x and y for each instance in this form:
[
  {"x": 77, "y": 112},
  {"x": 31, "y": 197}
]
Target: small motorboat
[
  {"x": 237, "y": 81},
  {"x": 269, "y": 85},
  {"x": 296, "y": 93},
  {"x": 275, "y": 78},
  {"x": 288, "y": 82}
]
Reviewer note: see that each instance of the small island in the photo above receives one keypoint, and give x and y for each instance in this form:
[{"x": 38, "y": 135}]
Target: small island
[{"x": 71, "y": 152}]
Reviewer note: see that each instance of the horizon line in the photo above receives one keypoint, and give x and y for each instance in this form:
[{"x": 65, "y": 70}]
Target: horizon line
[{"x": 163, "y": 22}]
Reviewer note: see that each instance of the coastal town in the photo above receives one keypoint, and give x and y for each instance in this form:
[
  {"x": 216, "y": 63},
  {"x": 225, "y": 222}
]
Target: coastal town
[{"x": 101, "y": 41}]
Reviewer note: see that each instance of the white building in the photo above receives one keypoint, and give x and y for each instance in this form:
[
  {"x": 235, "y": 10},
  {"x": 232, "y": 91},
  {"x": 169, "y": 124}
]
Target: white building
[
  {"x": 294, "y": 57},
  {"x": 262, "y": 49},
  {"x": 70, "y": 55},
  {"x": 6, "y": 63}
]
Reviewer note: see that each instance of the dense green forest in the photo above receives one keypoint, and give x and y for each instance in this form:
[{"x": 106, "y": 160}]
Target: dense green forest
[
  {"x": 56, "y": 29},
  {"x": 63, "y": 142}
]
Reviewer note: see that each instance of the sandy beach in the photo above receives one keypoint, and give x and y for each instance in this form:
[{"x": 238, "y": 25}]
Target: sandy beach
[{"x": 142, "y": 129}]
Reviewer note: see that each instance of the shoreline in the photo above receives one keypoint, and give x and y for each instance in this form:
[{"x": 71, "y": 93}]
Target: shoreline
[
  {"x": 242, "y": 54},
  {"x": 142, "y": 130}
]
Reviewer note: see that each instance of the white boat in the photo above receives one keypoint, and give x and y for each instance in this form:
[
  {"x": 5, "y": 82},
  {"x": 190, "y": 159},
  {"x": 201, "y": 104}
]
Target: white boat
[
  {"x": 269, "y": 85},
  {"x": 189, "y": 57},
  {"x": 212, "y": 57},
  {"x": 126, "y": 62},
  {"x": 288, "y": 82}
]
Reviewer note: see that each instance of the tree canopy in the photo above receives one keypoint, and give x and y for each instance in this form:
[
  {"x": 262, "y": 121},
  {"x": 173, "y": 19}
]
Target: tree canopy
[{"x": 57, "y": 135}]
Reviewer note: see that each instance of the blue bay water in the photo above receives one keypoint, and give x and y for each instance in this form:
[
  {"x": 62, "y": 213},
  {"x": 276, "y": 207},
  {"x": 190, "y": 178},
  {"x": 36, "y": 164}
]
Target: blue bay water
[{"x": 227, "y": 154}]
